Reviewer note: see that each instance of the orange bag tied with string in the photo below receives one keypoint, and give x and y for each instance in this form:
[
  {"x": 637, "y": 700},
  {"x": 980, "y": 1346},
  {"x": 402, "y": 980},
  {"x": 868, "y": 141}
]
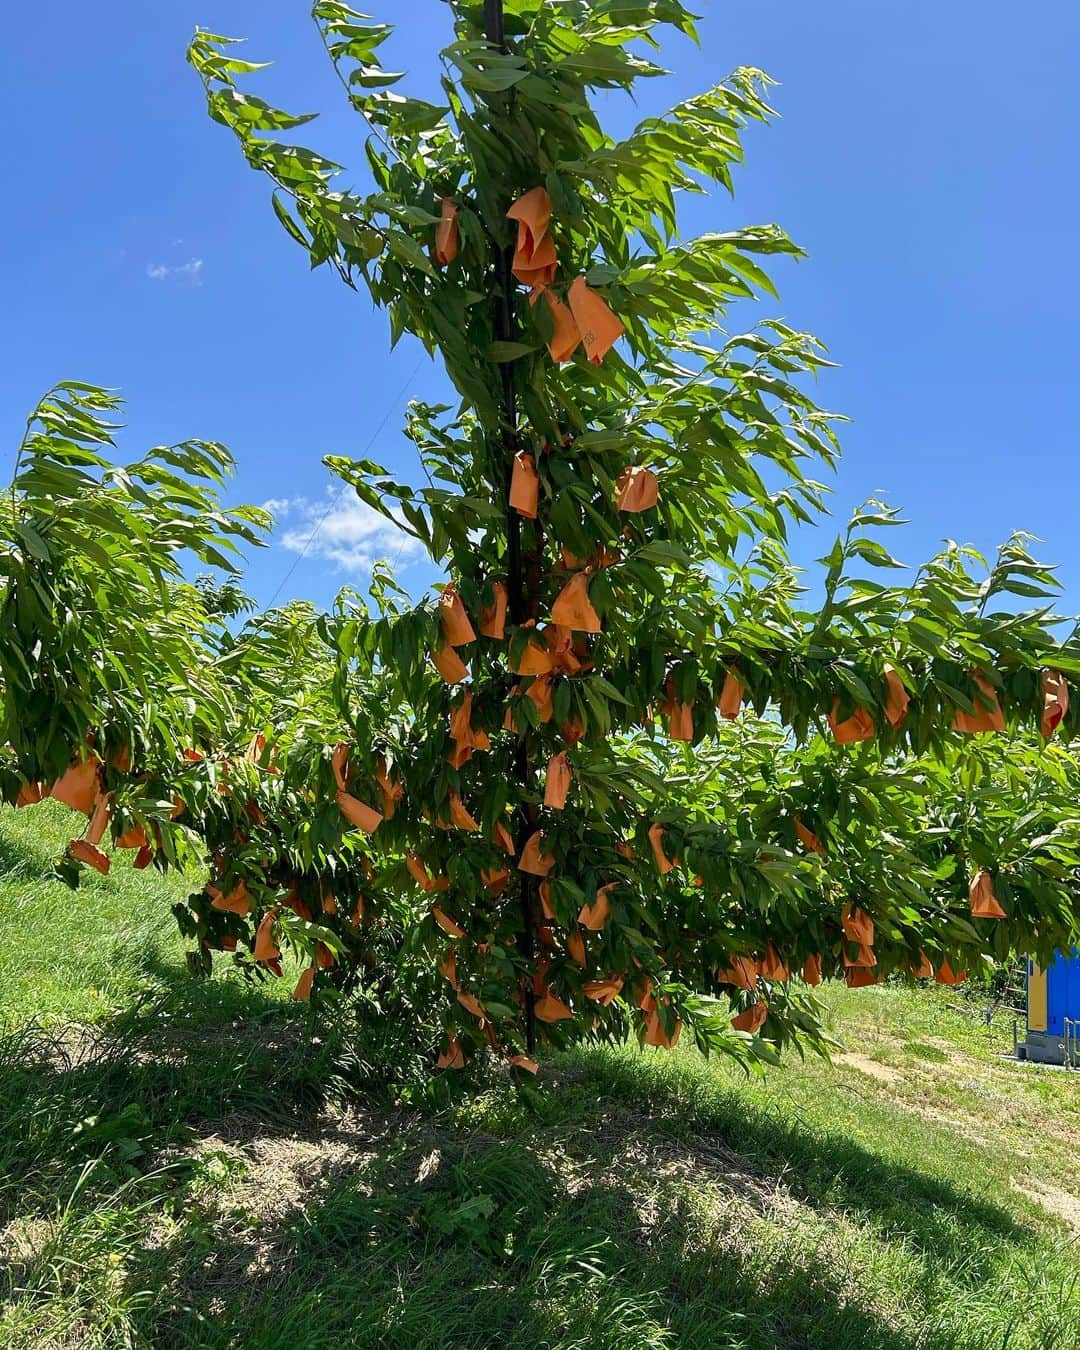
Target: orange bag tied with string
[
  {"x": 808, "y": 838},
  {"x": 566, "y": 336},
  {"x": 984, "y": 903},
  {"x": 987, "y": 715},
  {"x": 457, "y": 629},
  {"x": 493, "y": 616},
  {"x": 731, "y": 697},
  {"x": 446, "y": 233},
  {"x": 1055, "y": 692},
  {"x": 573, "y": 609},
  {"x": 594, "y": 916},
  {"x": 532, "y": 860},
  {"x": 449, "y": 665},
  {"x": 600, "y": 329},
  {"x": 752, "y": 1020},
  {"x": 656, "y": 838},
  {"x": 453, "y": 1057},
  {"x": 858, "y": 727},
  {"x": 534, "y": 263},
  {"x": 557, "y": 783},
  {"x": 858, "y": 925},
  {"x": 636, "y": 489},
  {"x": 897, "y": 698},
  {"x": 525, "y": 486},
  {"x": 78, "y": 786}
]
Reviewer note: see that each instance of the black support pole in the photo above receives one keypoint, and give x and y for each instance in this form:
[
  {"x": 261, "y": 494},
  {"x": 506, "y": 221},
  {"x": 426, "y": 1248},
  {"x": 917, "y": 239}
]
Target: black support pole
[{"x": 516, "y": 582}]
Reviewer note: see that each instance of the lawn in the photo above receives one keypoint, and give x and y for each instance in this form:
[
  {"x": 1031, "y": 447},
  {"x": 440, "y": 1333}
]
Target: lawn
[{"x": 200, "y": 1164}]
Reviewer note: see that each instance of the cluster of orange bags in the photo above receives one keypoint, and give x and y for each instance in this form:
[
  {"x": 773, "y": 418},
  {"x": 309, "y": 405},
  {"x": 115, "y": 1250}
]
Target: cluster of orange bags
[
  {"x": 81, "y": 787},
  {"x": 985, "y": 717},
  {"x": 583, "y": 318}
]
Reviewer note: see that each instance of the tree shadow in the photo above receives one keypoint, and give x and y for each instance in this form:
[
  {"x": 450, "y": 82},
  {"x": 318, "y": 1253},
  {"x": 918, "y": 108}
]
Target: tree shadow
[
  {"x": 823, "y": 1169},
  {"x": 622, "y": 1210}
]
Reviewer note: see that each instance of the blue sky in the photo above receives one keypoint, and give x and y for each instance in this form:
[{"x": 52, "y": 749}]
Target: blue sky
[{"x": 926, "y": 159}]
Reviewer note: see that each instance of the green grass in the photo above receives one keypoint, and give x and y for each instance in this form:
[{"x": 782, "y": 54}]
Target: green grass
[{"x": 189, "y": 1163}]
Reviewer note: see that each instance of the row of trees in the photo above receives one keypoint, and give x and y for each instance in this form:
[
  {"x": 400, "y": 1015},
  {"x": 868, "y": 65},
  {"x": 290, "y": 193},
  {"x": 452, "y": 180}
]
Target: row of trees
[{"x": 616, "y": 775}]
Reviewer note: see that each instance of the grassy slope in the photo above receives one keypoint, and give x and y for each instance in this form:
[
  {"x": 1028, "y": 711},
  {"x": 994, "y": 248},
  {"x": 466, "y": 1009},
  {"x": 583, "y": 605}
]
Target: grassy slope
[{"x": 181, "y": 1174}]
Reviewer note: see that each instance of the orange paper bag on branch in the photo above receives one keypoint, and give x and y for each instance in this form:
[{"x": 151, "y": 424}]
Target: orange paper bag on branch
[
  {"x": 358, "y": 813},
  {"x": 449, "y": 926},
  {"x": 1055, "y": 693},
  {"x": 422, "y": 876},
  {"x": 752, "y": 1020},
  {"x": 594, "y": 916},
  {"x": 493, "y": 616},
  {"x": 946, "y": 975},
  {"x": 664, "y": 864},
  {"x": 636, "y": 489},
  {"x": 265, "y": 947},
  {"x": 731, "y": 697},
  {"x": 573, "y": 609},
  {"x": 897, "y": 698},
  {"x": 446, "y": 233},
  {"x": 858, "y": 925},
  {"x": 302, "y": 992},
  {"x": 680, "y": 715},
  {"x": 773, "y": 966},
  {"x": 532, "y": 859},
  {"x": 449, "y": 665},
  {"x": 525, "y": 485},
  {"x": 742, "y": 973},
  {"x": 534, "y": 261},
  {"x": 808, "y": 838},
  {"x": 457, "y": 629},
  {"x": 453, "y": 1057},
  {"x": 987, "y": 715},
  {"x": 566, "y": 336},
  {"x": 557, "y": 783},
  {"x": 657, "y": 1036},
  {"x": 78, "y": 786},
  {"x": 923, "y": 969},
  {"x": 858, "y": 727},
  {"x": 984, "y": 903},
  {"x": 599, "y": 327}
]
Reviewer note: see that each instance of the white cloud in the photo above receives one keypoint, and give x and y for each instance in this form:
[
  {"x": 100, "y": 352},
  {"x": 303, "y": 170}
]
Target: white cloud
[
  {"x": 342, "y": 530},
  {"x": 183, "y": 274}
]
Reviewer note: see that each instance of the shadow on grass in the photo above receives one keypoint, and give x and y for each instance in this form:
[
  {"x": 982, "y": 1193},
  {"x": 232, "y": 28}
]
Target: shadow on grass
[{"x": 633, "y": 1205}]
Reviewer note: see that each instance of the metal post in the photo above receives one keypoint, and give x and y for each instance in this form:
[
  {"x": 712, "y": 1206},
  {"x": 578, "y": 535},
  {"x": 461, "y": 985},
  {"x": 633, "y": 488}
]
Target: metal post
[{"x": 520, "y": 599}]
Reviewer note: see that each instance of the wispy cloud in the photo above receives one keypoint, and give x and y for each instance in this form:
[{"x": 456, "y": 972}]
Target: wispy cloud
[
  {"x": 341, "y": 529},
  {"x": 181, "y": 274}
]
